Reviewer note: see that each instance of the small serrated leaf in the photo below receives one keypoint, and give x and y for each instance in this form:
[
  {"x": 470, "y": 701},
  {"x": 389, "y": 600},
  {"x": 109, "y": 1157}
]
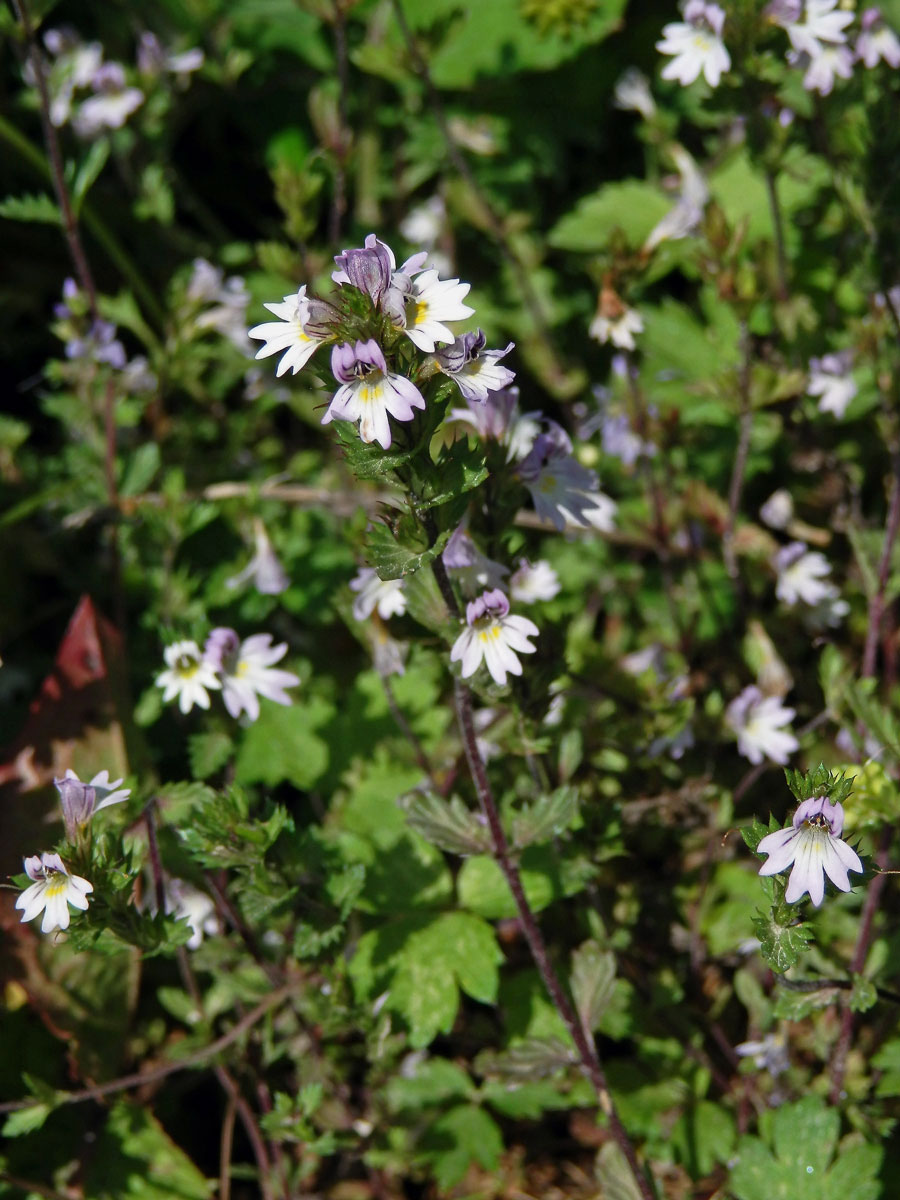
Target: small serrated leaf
[
  {"x": 31, "y": 208},
  {"x": 781, "y": 945},
  {"x": 864, "y": 994},
  {"x": 26, "y": 1120},
  {"x": 593, "y": 979},
  {"x": 449, "y": 825},
  {"x": 546, "y": 818},
  {"x": 392, "y": 560}
]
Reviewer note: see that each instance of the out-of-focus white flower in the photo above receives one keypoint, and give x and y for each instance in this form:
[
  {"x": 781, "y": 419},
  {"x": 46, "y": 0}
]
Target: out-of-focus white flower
[
  {"x": 424, "y": 226},
  {"x": 111, "y": 105},
  {"x": 802, "y": 574},
  {"x": 153, "y": 59},
  {"x": 759, "y": 723},
  {"x": 831, "y": 381},
  {"x": 51, "y": 892},
  {"x": 229, "y": 299},
  {"x": 562, "y": 490},
  {"x": 532, "y": 582},
  {"x": 245, "y": 669},
  {"x": 778, "y": 510},
  {"x": 823, "y": 23},
  {"x": 768, "y": 1054},
  {"x": 474, "y": 570},
  {"x": 619, "y": 329},
  {"x": 73, "y": 67},
  {"x": 687, "y": 213},
  {"x": 813, "y": 844},
  {"x": 498, "y": 419},
  {"x": 264, "y": 568},
  {"x": 877, "y": 42},
  {"x": 621, "y": 442},
  {"x": 80, "y": 801},
  {"x": 632, "y": 91},
  {"x": 822, "y": 68},
  {"x": 650, "y": 658},
  {"x": 188, "y": 903},
  {"x": 188, "y": 676},
  {"x": 696, "y": 45},
  {"x": 384, "y": 595},
  {"x": 493, "y": 636}
]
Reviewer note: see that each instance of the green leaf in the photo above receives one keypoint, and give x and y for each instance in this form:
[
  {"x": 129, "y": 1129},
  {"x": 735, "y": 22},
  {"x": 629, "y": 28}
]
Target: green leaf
[
  {"x": 530, "y": 1058},
  {"x": 704, "y": 1137},
  {"x": 781, "y": 945},
  {"x": 593, "y": 980},
  {"x": 392, "y": 560},
  {"x": 282, "y": 745},
  {"x": 91, "y": 166},
  {"x": 143, "y": 465},
  {"x": 26, "y": 1120},
  {"x": 422, "y": 962},
  {"x": 614, "y": 1174},
  {"x": 463, "y": 1135},
  {"x": 864, "y": 994},
  {"x": 545, "y": 877},
  {"x": 793, "y": 1161},
  {"x": 208, "y": 753},
  {"x": 432, "y": 1082},
  {"x": 31, "y": 208},
  {"x": 135, "y": 1157},
  {"x": 546, "y": 818},
  {"x": 449, "y": 825},
  {"x": 633, "y": 207}
]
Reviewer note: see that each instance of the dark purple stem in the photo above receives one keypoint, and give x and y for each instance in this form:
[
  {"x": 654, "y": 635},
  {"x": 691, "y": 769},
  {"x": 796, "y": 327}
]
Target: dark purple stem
[{"x": 587, "y": 1052}]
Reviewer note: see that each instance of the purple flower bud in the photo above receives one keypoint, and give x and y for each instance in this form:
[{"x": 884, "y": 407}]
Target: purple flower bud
[
  {"x": 221, "y": 648},
  {"x": 77, "y": 800},
  {"x": 368, "y": 269}
]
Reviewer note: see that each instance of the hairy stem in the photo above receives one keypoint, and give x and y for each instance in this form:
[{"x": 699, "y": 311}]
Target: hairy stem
[{"x": 587, "y": 1051}]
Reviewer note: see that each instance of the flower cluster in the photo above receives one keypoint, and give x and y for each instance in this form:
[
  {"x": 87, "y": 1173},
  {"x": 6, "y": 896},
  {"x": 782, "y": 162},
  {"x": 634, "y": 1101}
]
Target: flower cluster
[
  {"x": 242, "y": 670},
  {"x": 817, "y": 31}
]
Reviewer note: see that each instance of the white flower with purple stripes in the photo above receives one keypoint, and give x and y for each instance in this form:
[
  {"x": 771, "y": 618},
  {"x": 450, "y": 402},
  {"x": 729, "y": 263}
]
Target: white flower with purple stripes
[
  {"x": 369, "y": 392},
  {"x": 812, "y": 845},
  {"x": 494, "y": 637}
]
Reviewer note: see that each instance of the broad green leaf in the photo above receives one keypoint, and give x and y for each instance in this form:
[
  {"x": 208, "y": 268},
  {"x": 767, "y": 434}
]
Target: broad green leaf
[
  {"x": 781, "y": 945},
  {"x": 209, "y": 752},
  {"x": 483, "y": 889},
  {"x": 393, "y": 561},
  {"x": 546, "y": 818},
  {"x": 632, "y": 207},
  {"x": 282, "y": 745},
  {"x": 614, "y": 1174},
  {"x": 135, "y": 1158},
  {"x": 432, "y": 1082},
  {"x": 704, "y": 1137},
  {"x": 26, "y": 1120},
  {"x": 422, "y": 962},
  {"x": 463, "y": 1135}
]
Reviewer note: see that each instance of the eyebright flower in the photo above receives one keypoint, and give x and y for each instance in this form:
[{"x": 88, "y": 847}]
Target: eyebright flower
[
  {"x": 474, "y": 570},
  {"x": 110, "y": 106},
  {"x": 877, "y": 42},
  {"x": 153, "y": 59},
  {"x": 475, "y": 370},
  {"x": 369, "y": 269},
  {"x": 385, "y": 595},
  {"x": 532, "y": 582},
  {"x": 245, "y": 670},
  {"x": 188, "y": 676},
  {"x": 369, "y": 392},
  {"x": 759, "y": 724},
  {"x": 80, "y": 800},
  {"x": 264, "y": 568},
  {"x": 802, "y": 574},
  {"x": 620, "y": 441},
  {"x": 428, "y": 304},
  {"x": 778, "y": 510},
  {"x": 831, "y": 381},
  {"x": 189, "y": 904},
  {"x": 632, "y": 92},
  {"x": 562, "y": 490},
  {"x": 300, "y": 329},
  {"x": 823, "y": 67},
  {"x": 52, "y": 891},
  {"x": 498, "y": 419},
  {"x": 615, "y": 322},
  {"x": 494, "y": 636},
  {"x": 696, "y": 44},
  {"x": 812, "y": 843},
  {"x": 684, "y": 218},
  {"x": 824, "y": 22}
]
